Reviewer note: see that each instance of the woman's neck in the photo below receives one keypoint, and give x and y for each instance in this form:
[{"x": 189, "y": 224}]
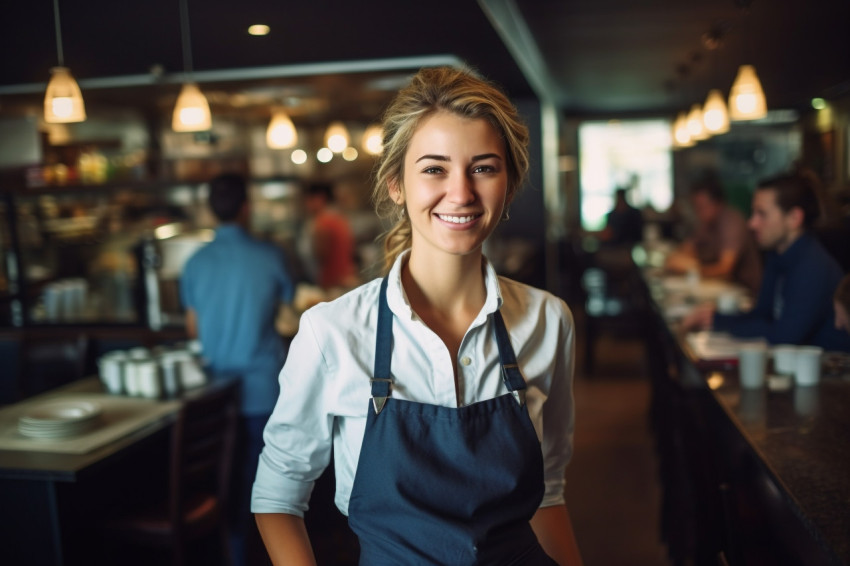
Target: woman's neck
[{"x": 444, "y": 286}]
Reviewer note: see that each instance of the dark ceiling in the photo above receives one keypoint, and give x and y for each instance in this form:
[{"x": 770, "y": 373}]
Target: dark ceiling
[{"x": 602, "y": 57}]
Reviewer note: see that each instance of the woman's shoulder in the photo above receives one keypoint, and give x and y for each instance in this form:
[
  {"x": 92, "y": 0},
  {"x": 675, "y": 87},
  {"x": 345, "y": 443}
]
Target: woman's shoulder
[
  {"x": 517, "y": 296},
  {"x": 355, "y": 309}
]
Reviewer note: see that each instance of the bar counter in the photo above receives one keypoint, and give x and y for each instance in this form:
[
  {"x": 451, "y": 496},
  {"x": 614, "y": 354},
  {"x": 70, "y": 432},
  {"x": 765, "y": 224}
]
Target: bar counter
[{"x": 749, "y": 476}]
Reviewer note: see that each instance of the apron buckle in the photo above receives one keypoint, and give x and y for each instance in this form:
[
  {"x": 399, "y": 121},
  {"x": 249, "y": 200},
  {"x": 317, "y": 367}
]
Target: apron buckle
[
  {"x": 378, "y": 403},
  {"x": 380, "y": 393},
  {"x": 519, "y": 395}
]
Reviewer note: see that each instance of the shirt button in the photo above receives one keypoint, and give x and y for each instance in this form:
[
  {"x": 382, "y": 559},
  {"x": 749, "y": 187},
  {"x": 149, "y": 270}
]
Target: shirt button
[{"x": 465, "y": 360}]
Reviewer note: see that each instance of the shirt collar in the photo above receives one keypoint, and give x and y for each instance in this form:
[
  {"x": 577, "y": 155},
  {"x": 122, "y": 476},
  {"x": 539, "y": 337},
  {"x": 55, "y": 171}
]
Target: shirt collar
[
  {"x": 399, "y": 304},
  {"x": 229, "y": 230}
]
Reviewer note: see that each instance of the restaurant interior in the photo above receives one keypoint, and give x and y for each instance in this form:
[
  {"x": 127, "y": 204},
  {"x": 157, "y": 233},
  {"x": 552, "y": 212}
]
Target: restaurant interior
[{"x": 103, "y": 202}]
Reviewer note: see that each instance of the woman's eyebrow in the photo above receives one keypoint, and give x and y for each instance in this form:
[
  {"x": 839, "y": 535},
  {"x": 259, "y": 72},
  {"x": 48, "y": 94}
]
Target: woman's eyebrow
[
  {"x": 434, "y": 157},
  {"x": 447, "y": 158}
]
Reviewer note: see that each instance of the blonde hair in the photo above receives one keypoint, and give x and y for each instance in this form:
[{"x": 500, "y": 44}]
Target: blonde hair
[{"x": 460, "y": 92}]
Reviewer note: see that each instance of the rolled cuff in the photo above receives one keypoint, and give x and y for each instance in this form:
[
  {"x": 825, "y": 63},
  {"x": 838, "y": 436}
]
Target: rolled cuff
[{"x": 276, "y": 493}]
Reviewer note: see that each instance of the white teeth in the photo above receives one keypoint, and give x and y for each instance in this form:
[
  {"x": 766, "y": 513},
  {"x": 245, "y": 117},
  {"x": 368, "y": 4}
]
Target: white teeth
[{"x": 457, "y": 219}]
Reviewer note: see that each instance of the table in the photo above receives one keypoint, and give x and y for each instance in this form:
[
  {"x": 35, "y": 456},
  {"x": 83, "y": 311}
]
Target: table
[
  {"x": 50, "y": 498},
  {"x": 754, "y": 475}
]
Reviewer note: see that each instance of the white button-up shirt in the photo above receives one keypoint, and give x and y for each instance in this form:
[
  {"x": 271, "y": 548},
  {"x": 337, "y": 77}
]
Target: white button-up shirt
[{"x": 325, "y": 389}]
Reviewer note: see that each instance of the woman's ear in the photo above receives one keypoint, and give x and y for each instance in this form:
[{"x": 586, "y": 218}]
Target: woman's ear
[{"x": 395, "y": 191}]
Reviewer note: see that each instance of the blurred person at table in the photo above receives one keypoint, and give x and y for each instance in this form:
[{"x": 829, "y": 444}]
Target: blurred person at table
[
  {"x": 721, "y": 246},
  {"x": 233, "y": 290},
  {"x": 443, "y": 390},
  {"x": 329, "y": 240},
  {"x": 795, "y": 303},
  {"x": 842, "y": 304},
  {"x": 624, "y": 223}
]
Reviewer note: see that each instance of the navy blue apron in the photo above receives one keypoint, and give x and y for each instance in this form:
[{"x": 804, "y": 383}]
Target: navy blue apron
[{"x": 444, "y": 485}]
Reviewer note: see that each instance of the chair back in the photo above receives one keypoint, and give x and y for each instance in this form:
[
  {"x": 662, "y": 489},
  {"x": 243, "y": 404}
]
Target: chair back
[{"x": 202, "y": 449}]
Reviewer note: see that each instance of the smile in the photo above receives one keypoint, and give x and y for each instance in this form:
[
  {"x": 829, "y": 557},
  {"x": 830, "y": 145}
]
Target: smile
[{"x": 458, "y": 219}]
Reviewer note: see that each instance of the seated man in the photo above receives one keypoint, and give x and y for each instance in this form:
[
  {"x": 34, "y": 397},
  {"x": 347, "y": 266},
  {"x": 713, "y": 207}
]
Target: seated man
[
  {"x": 721, "y": 246},
  {"x": 842, "y": 304},
  {"x": 795, "y": 303}
]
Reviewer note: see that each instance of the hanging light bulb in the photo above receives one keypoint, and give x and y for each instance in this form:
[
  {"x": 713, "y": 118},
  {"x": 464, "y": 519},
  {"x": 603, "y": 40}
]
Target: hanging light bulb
[
  {"x": 715, "y": 116},
  {"x": 281, "y": 132},
  {"x": 373, "y": 139},
  {"x": 63, "y": 101},
  {"x": 746, "y": 99},
  {"x": 192, "y": 111},
  {"x": 336, "y": 137},
  {"x": 695, "y": 127},
  {"x": 681, "y": 134}
]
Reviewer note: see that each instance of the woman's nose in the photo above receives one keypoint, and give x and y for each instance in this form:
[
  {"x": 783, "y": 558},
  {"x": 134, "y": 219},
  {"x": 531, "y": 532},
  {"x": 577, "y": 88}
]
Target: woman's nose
[{"x": 460, "y": 189}]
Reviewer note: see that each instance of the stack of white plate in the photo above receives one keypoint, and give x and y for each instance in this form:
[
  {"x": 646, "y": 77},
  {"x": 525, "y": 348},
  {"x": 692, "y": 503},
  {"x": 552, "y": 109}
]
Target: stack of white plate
[{"x": 58, "y": 419}]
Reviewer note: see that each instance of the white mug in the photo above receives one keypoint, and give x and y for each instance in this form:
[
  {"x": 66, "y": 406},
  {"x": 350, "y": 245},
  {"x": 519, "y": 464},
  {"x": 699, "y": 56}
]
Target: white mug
[
  {"x": 808, "y": 365},
  {"x": 785, "y": 359},
  {"x": 752, "y": 365}
]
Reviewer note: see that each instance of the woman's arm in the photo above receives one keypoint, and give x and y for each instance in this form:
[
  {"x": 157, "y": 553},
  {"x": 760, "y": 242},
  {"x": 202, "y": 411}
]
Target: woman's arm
[
  {"x": 554, "y": 530},
  {"x": 286, "y": 540}
]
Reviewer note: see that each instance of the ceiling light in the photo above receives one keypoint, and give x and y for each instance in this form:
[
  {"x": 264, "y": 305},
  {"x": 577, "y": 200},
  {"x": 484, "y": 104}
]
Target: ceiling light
[
  {"x": 299, "y": 157},
  {"x": 63, "y": 101},
  {"x": 746, "y": 99},
  {"x": 336, "y": 137},
  {"x": 192, "y": 111},
  {"x": 373, "y": 139},
  {"x": 695, "y": 126},
  {"x": 349, "y": 154},
  {"x": 681, "y": 135},
  {"x": 715, "y": 116},
  {"x": 281, "y": 132},
  {"x": 324, "y": 155},
  {"x": 259, "y": 29}
]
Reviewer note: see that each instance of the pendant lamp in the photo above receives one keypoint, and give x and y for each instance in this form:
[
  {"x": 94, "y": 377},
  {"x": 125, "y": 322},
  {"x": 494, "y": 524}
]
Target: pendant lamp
[
  {"x": 63, "y": 101},
  {"x": 373, "y": 139},
  {"x": 746, "y": 99},
  {"x": 681, "y": 135},
  {"x": 336, "y": 137},
  {"x": 715, "y": 117},
  {"x": 192, "y": 111},
  {"x": 695, "y": 127},
  {"x": 281, "y": 132}
]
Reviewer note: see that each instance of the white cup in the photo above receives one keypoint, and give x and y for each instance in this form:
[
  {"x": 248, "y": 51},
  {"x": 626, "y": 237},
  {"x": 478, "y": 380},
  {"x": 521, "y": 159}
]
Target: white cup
[
  {"x": 752, "y": 364},
  {"x": 111, "y": 370},
  {"x": 785, "y": 359},
  {"x": 727, "y": 302},
  {"x": 149, "y": 381},
  {"x": 808, "y": 365}
]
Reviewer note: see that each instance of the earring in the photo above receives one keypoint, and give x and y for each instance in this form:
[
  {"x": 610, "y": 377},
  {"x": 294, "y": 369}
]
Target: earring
[{"x": 506, "y": 215}]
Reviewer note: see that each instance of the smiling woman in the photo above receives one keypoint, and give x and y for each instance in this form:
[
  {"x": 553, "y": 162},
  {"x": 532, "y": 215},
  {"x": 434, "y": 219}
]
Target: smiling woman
[{"x": 447, "y": 402}]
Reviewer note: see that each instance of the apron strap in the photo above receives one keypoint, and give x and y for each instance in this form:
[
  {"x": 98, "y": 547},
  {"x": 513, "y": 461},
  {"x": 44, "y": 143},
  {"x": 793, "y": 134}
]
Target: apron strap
[
  {"x": 510, "y": 369},
  {"x": 383, "y": 352}
]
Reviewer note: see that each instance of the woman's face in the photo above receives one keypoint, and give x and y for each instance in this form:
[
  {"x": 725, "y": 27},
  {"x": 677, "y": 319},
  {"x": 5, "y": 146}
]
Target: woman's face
[{"x": 455, "y": 183}]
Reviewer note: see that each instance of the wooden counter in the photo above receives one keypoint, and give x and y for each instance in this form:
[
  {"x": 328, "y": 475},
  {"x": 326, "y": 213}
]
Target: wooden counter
[{"x": 52, "y": 501}]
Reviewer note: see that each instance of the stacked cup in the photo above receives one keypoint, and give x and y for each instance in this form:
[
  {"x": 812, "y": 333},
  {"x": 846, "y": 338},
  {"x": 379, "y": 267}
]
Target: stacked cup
[{"x": 801, "y": 362}]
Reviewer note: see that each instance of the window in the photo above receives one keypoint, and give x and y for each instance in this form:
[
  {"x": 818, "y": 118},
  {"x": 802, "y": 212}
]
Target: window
[{"x": 633, "y": 155}]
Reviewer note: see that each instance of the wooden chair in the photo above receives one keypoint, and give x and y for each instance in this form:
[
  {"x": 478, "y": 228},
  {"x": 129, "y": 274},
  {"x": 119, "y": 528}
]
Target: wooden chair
[{"x": 202, "y": 442}]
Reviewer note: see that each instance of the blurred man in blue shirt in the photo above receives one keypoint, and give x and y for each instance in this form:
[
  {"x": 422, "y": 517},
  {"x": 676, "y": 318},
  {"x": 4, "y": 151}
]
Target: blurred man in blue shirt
[
  {"x": 794, "y": 305},
  {"x": 233, "y": 289}
]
